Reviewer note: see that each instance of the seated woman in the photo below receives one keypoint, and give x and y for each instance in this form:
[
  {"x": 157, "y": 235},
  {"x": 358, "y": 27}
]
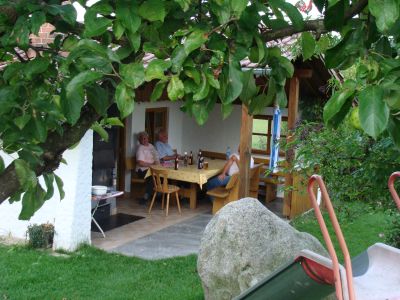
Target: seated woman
[{"x": 146, "y": 156}]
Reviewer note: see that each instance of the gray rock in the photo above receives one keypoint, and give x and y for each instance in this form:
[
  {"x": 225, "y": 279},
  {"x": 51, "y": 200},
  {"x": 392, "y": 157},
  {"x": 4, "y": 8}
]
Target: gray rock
[{"x": 244, "y": 243}]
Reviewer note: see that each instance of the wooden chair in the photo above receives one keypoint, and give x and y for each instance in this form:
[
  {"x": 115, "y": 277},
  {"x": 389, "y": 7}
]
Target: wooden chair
[
  {"x": 224, "y": 195},
  {"x": 254, "y": 180},
  {"x": 162, "y": 186},
  {"x": 137, "y": 183}
]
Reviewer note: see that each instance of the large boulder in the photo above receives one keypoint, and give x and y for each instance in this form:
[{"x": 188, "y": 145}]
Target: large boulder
[{"x": 243, "y": 243}]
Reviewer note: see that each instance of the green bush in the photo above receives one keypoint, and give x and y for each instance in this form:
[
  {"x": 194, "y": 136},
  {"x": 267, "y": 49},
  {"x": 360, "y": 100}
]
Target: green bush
[
  {"x": 40, "y": 236},
  {"x": 393, "y": 234},
  {"x": 354, "y": 166}
]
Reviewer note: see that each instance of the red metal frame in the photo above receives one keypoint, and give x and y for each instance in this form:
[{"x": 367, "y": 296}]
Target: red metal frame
[
  {"x": 327, "y": 238},
  {"x": 392, "y": 190}
]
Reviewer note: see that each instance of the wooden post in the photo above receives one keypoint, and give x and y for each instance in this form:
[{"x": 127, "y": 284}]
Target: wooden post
[
  {"x": 245, "y": 152},
  {"x": 292, "y": 118}
]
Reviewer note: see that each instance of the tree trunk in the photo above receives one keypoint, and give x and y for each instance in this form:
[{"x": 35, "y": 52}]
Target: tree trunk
[{"x": 53, "y": 148}]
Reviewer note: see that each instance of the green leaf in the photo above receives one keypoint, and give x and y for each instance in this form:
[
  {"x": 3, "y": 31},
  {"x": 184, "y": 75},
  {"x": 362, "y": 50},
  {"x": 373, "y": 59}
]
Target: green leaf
[
  {"x": 100, "y": 130},
  {"x": 184, "y": 4},
  {"x": 175, "y": 88},
  {"x": 21, "y": 121},
  {"x": 98, "y": 98},
  {"x": 223, "y": 12},
  {"x": 80, "y": 80},
  {"x": 15, "y": 198},
  {"x": 338, "y": 105},
  {"x": 259, "y": 103},
  {"x": 2, "y": 165},
  {"x": 152, "y": 10},
  {"x": 132, "y": 74},
  {"x": 212, "y": 80},
  {"x": 238, "y": 6},
  {"x": 32, "y": 200},
  {"x": 35, "y": 67},
  {"x": 114, "y": 122},
  {"x": 249, "y": 87},
  {"x": 126, "y": 13},
  {"x": 226, "y": 110},
  {"x": 203, "y": 89},
  {"x": 307, "y": 45},
  {"x": 291, "y": 11},
  {"x": 60, "y": 186},
  {"x": 67, "y": 12},
  {"x": 71, "y": 106},
  {"x": 125, "y": 98},
  {"x": 49, "y": 179},
  {"x": 235, "y": 85},
  {"x": 373, "y": 112},
  {"x": 156, "y": 68},
  {"x": 118, "y": 29},
  {"x": 195, "y": 40},
  {"x": 26, "y": 177},
  {"x": 386, "y": 13},
  {"x": 344, "y": 54},
  {"x": 200, "y": 113},
  {"x": 178, "y": 57},
  {"x": 394, "y": 130},
  {"x": 134, "y": 40},
  {"x": 334, "y": 15},
  {"x": 157, "y": 91},
  {"x": 94, "y": 25},
  {"x": 38, "y": 18},
  {"x": 40, "y": 128}
]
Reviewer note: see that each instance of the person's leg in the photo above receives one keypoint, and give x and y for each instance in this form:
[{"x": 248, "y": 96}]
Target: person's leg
[
  {"x": 148, "y": 184},
  {"x": 215, "y": 182}
]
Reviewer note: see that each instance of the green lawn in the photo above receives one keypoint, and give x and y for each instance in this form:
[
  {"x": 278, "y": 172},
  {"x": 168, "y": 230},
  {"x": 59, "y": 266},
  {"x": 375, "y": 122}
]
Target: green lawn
[
  {"x": 361, "y": 227},
  {"x": 90, "y": 273},
  {"x": 93, "y": 274}
]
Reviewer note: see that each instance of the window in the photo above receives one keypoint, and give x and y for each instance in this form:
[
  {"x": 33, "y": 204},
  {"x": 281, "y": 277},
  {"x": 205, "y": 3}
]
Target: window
[
  {"x": 156, "y": 119},
  {"x": 262, "y": 133}
]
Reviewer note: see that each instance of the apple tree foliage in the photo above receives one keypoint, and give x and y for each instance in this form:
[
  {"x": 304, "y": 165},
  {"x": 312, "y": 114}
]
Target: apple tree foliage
[{"x": 51, "y": 95}]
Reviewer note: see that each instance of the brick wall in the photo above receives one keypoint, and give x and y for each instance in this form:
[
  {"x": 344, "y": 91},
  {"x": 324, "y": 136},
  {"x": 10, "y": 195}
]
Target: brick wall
[{"x": 44, "y": 37}]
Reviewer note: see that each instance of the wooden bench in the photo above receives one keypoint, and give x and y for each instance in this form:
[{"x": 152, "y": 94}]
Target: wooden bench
[
  {"x": 271, "y": 181},
  {"x": 254, "y": 180},
  {"x": 224, "y": 195},
  {"x": 137, "y": 183},
  {"x": 213, "y": 155}
]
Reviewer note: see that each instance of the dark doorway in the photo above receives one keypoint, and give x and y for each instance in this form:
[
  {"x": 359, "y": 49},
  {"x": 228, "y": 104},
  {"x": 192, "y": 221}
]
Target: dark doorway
[{"x": 105, "y": 155}]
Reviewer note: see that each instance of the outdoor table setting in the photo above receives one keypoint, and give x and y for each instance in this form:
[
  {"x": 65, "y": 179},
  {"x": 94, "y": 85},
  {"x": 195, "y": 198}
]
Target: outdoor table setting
[{"x": 193, "y": 175}]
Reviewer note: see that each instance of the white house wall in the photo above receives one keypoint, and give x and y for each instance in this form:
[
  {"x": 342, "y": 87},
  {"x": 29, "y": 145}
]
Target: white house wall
[{"x": 70, "y": 216}]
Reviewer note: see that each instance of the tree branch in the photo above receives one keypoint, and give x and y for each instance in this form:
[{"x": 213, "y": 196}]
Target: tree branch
[
  {"x": 54, "y": 147},
  {"x": 313, "y": 25}
]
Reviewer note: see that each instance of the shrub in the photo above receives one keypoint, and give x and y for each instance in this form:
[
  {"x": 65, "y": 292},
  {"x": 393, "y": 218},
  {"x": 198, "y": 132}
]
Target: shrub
[
  {"x": 354, "y": 166},
  {"x": 393, "y": 234},
  {"x": 41, "y": 236}
]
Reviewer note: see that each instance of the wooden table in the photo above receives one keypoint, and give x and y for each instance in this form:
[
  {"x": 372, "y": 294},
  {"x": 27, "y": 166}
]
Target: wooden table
[{"x": 192, "y": 175}]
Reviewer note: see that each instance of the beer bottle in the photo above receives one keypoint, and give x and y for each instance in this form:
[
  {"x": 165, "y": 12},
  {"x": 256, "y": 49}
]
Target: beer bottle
[
  {"x": 185, "y": 160},
  {"x": 199, "y": 161},
  {"x": 176, "y": 162},
  {"x": 191, "y": 158}
]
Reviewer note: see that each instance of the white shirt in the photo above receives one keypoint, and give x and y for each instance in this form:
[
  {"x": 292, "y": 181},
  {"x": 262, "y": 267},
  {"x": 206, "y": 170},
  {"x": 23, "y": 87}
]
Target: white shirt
[
  {"x": 148, "y": 154},
  {"x": 235, "y": 168}
]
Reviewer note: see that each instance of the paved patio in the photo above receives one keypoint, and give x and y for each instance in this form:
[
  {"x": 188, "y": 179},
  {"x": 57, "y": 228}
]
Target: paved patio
[{"x": 157, "y": 236}]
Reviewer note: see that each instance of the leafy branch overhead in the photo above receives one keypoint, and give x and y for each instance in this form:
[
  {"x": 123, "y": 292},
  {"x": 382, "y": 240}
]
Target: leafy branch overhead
[{"x": 51, "y": 94}]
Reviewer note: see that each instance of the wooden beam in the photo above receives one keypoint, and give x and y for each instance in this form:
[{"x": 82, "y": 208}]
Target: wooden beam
[
  {"x": 303, "y": 73},
  {"x": 245, "y": 152},
  {"x": 293, "y": 109}
]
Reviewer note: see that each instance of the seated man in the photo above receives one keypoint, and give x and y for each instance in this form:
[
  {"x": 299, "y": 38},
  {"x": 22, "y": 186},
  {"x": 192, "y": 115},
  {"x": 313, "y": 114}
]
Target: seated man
[
  {"x": 164, "y": 150},
  {"x": 231, "y": 167},
  {"x": 146, "y": 156}
]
